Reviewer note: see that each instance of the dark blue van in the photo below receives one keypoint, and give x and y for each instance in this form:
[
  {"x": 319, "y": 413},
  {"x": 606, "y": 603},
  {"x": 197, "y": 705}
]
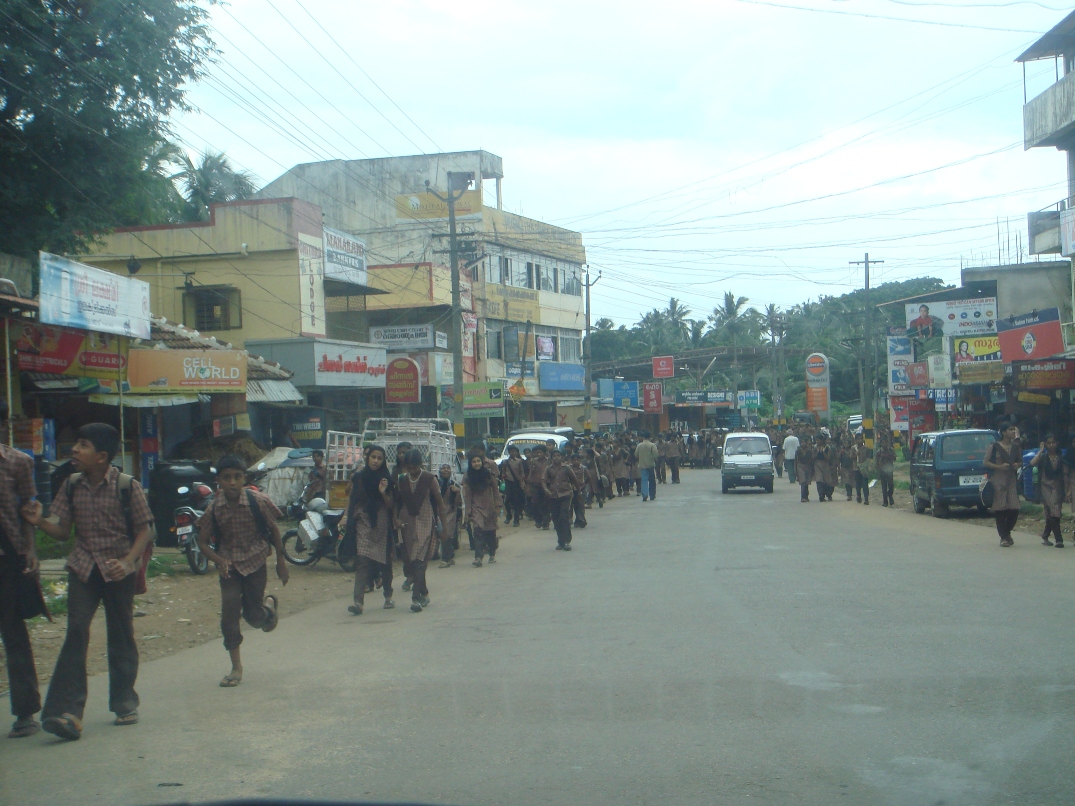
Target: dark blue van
[{"x": 947, "y": 469}]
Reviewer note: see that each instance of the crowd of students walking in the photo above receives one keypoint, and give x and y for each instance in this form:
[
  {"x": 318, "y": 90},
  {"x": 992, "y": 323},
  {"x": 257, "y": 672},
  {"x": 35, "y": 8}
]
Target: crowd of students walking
[{"x": 815, "y": 456}]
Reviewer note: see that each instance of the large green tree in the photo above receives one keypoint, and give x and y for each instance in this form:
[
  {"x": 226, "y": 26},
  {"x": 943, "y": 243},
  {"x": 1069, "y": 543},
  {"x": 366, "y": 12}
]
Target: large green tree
[{"x": 86, "y": 87}]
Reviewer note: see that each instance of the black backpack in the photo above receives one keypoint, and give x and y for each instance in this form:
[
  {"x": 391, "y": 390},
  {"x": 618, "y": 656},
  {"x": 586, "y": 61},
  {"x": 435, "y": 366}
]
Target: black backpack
[{"x": 255, "y": 511}]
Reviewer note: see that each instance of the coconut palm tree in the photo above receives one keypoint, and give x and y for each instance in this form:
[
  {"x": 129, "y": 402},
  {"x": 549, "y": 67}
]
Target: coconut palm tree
[
  {"x": 212, "y": 180},
  {"x": 676, "y": 316}
]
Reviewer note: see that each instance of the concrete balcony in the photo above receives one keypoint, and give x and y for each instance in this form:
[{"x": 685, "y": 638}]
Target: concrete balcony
[{"x": 1049, "y": 119}]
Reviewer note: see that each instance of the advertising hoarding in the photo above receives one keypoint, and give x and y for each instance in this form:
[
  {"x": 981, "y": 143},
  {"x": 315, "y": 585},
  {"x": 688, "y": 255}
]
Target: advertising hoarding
[
  {"x": 340, "y": 363},
  {"x": 975, "y": 348},
  {"x": 402, "y": 338},
  {"x": 555, "y": 376},
  {"x": 625, "y": 391},
  {"x": 311, "y": 250},
  {"x": 899, "y": 356},
  {"x": 170, "y": 371},
  {"x": 953, "y": 317},
  {"x": 66, "y": 351},
  {"x": 748, "y": 399},
  {"x": 980, "y": 372},
  {"x": 664, "y": 366},
  {"x": 76, "y": 295},
  {"x": 1030, "y": 335},
  {"x": 403, "y": 381},
  {"x": 1052, "y": 374},
  {"x": 652, "y": 393},
  {"x": 817, "y": 384}
]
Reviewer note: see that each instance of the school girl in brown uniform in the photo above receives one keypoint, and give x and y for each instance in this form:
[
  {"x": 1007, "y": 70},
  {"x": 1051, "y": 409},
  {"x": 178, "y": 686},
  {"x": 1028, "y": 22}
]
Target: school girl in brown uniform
[
  {"x": 513, "y": 474},
  {"x": 1003, "y": 460},
  {"x": 369, "y": 518},
  {"x": 804, "y": 468},
  {"x": 418, "y": 503},
  {"x": 825, "y": 467},
  {"x": 481, "y": 503},
  {"x": 1053, "y": 475},
  {"x": 535, "y": 475}
]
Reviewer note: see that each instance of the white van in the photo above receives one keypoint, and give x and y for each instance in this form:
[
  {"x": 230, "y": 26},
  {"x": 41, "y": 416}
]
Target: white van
[{"x": 747, "y": 462}]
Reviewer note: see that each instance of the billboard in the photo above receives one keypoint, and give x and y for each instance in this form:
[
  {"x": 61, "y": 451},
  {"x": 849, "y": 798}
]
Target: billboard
[
  {"x": 345, "y": 258},
  {"x": 817, "y": 384},
  {"x": 339, "y": 363},
  {"x": 652, "y": 402},
  {"x": 1030, "y": 335},
  {"x": 748, "y": 399},
  {"x": 899, "y": 356},
  {"x": 171, "y": 371},
  {"x": 625, "y": 393},
  {"x": 981, "y": 372},
  {"x": 65, "y": 351},
  {"x": 428, "y": 206},
  {"x": 975, "y": 348},
  {"x": 706, "y": 397},
  {"x": 76, "y": 295},
  {"x": 403, "y": 381},
  {"x": 664, "y": 366},
  {"x": 953, "y": 317},
  {"x": 311, "y": 284}
]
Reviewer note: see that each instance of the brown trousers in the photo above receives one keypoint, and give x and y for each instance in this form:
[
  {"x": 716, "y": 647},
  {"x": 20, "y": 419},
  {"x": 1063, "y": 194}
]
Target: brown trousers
[
  {"x": 415, "y": 571},
  {"x": 21, "y": 673},
  {"x": 242, "y": 596},
  {"x": 365, "y": 571}
]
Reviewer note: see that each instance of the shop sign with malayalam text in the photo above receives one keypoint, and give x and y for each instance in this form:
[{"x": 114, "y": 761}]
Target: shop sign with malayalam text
[
  {"x": 338, "y": 363},
  {"x": 76, "y": 295},
  {"x": 1053, "y": 374},
  {"x": 170, "y": 371}
]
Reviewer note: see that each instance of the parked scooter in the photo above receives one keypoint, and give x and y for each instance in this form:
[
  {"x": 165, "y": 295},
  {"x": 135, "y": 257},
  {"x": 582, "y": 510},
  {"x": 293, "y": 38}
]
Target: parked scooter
[
  {"x": 186, "y": 525},
  {"x": 318, "y": 534}
]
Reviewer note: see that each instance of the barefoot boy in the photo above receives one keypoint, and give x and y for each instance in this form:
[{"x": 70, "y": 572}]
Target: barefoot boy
[{"x": 242, "y": 524}]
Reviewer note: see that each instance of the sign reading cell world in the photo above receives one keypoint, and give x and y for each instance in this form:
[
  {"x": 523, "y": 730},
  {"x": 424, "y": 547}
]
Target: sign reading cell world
[
  {"x": 169, "y": 371},
  {"x": 76, "y": 295},
  {"x": 403, "y": 381},
  {"x": 817, "y": 384}
]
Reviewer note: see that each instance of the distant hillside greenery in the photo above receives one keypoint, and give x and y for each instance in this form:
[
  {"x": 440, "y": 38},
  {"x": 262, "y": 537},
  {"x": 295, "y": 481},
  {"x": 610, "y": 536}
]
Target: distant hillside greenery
[{"x": 830, "y": 325}]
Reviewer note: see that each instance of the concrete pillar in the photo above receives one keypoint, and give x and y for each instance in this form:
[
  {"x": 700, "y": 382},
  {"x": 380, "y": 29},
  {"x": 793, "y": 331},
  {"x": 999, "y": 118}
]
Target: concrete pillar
[
  {"x": 500, "y": 192},
  {"x": 1070, "y": 154}
]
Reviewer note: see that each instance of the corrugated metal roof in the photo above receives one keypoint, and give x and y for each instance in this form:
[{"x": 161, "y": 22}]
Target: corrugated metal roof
[{"x": 271, "y": 391}]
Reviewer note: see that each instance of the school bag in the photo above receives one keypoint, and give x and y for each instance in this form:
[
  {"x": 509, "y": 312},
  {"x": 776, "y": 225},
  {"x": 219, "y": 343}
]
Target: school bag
[
  {"x": 123, "y": 487},
  {"x": 255, "y": 512}
]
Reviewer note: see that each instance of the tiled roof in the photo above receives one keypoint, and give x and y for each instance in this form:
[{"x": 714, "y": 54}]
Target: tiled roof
[{"x": 178, "y": 337}]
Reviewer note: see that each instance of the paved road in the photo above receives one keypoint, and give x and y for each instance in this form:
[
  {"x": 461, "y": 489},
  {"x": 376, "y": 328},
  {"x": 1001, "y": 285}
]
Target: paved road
[{"x": 699, "y": 649}]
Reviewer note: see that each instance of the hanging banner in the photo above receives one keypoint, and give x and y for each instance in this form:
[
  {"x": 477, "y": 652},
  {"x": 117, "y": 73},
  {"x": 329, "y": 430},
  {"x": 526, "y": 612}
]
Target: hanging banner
[
  {"x": 899, "y": 356},
  {"x": 918, "y": 374},
  {"x": 664, "y": 366},
  {"x": 204, "y": 371},
  {"x": 76, "y": 295},
  {"x": 66, "y": 351},
  {"x": 651, "y": 397},
  {"x": 1030, "y": 335},
  {"x": 817, "y": 385},
  {"x": 403, "y": 381}
]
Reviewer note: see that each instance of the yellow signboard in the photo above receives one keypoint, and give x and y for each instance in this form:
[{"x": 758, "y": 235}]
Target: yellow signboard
[
  {"x": 187, "y": 371},
  {"x": 426, "y": 206},
  {"x": 511, "y": 304}
]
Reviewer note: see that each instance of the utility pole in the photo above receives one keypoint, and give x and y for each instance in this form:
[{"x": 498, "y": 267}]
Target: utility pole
[
  {"x": 587, "y": 418},
  {"x": 871, "y": 367},
  {"x": 456, "y": 182}
]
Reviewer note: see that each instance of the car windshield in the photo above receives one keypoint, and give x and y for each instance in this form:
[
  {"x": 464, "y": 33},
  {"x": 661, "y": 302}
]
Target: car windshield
[
  {"x": 965, "y": 447},
  {"x": 747, "y": 446},
  {"x": 522, "y": 443}
]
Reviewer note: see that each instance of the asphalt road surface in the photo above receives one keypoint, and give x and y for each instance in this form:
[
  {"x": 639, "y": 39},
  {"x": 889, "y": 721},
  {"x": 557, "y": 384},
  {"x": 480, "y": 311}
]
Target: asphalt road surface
[{"x": 703, "y": 648}]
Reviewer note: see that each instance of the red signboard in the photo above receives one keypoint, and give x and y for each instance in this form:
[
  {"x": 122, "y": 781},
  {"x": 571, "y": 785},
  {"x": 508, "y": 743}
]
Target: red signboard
[
  {"x": 1059, "y": 373},
  {"x": 403, "y": 381},
  {"x": 1031, "y": 335},
  {"x": 651, "y": 396},
  {"x": 664, "y": 366},
  {"x": 921, "y": 416},
  {"x": 918, "y": 374}
]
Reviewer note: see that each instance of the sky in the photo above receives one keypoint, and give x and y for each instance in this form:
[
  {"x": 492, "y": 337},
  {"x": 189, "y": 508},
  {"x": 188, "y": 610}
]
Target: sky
[{"x": 700, "y": 147}]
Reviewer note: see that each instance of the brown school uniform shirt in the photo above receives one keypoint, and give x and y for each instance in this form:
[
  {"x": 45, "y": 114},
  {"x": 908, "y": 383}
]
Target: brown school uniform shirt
[
  {"x": 100, "y": 525},
  {"x": 16, "y": 488},
  {"x": 535, "y": 473},
  {"x": 237, "y": 538},
  {"x": 561, "y": 481}
]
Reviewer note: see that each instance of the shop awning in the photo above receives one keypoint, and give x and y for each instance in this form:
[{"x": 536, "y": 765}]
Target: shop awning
[
  {"x": 149, "y": 401},
  {"x": 267, "y": 391}
]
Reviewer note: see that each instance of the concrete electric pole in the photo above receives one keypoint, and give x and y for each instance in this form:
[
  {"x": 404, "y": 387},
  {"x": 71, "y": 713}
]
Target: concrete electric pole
[
  {"x": 587, "y": 352},
  {"x": 871, "y": 367},
  {"x": 458, "y": 184}
]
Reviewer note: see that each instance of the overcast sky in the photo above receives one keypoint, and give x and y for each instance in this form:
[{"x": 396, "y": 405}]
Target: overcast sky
[{"x": 698, "y": 146}]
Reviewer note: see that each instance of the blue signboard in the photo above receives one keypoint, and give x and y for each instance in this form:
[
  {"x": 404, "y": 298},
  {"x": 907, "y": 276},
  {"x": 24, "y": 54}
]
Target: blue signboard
[
  {"x": 559, "y": 377},
  {"x": 514, "y": 369},
  {"x": 625, "y": 390}
]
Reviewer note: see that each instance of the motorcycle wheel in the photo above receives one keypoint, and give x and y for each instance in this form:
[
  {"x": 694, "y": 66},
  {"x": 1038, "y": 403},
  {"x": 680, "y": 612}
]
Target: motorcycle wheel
[
  {"x": 296, "y": 551},
  {"x": 197, "y": 561},
  {"x": 349, "y": 564}
]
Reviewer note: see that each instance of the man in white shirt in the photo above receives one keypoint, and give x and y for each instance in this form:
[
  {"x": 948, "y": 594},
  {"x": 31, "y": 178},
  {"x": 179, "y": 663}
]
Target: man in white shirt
[{"x": 791, "y": 447}]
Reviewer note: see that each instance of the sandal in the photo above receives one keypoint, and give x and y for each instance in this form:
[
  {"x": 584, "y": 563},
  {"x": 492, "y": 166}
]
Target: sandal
[
  {"x": 67, "y": 726},
  {"x": 271, "y": 604},
  {"x": 231, "y": 680},
  {"x": 24, "y": 727},
  {"x": 355, "y": 609},
  {"x": 127, "y": 719}
]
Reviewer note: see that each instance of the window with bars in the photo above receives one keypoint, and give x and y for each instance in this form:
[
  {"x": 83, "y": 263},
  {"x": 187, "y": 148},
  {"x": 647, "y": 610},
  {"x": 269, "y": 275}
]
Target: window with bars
[
  {"x": 570, "y": 350},
  {"x": 212, "y": 308}
]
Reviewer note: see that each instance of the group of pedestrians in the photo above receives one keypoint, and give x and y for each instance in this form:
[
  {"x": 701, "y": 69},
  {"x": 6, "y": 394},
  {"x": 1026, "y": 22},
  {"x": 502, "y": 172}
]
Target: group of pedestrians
[{"x": 817, "y": 457}]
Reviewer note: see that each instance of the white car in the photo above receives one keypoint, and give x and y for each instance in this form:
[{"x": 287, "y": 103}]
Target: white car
[
  {"x": 529, "y": 439},
  {"x": 747, "y": 462}
]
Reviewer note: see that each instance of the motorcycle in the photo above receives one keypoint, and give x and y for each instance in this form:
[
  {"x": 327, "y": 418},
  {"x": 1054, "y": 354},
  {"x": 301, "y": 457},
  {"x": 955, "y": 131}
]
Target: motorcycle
[
  {"x": 186, "y": 525},
  {"x": 318, "y": 534}
]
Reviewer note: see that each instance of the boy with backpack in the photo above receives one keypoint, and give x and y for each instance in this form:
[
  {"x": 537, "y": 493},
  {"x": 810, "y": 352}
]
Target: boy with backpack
[
  {"x": 113, "y": 528},
  {"x": 242, "y": 524}
]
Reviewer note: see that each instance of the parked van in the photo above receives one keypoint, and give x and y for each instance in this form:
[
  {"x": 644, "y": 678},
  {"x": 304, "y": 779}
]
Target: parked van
[
  {"x": 747, "y": 461},
  {"x": 947, "y": 468}
]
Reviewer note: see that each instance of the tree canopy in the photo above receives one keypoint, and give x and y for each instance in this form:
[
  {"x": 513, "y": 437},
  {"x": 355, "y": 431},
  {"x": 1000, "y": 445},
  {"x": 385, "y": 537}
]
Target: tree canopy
[{"x": 85, "y": 92}]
